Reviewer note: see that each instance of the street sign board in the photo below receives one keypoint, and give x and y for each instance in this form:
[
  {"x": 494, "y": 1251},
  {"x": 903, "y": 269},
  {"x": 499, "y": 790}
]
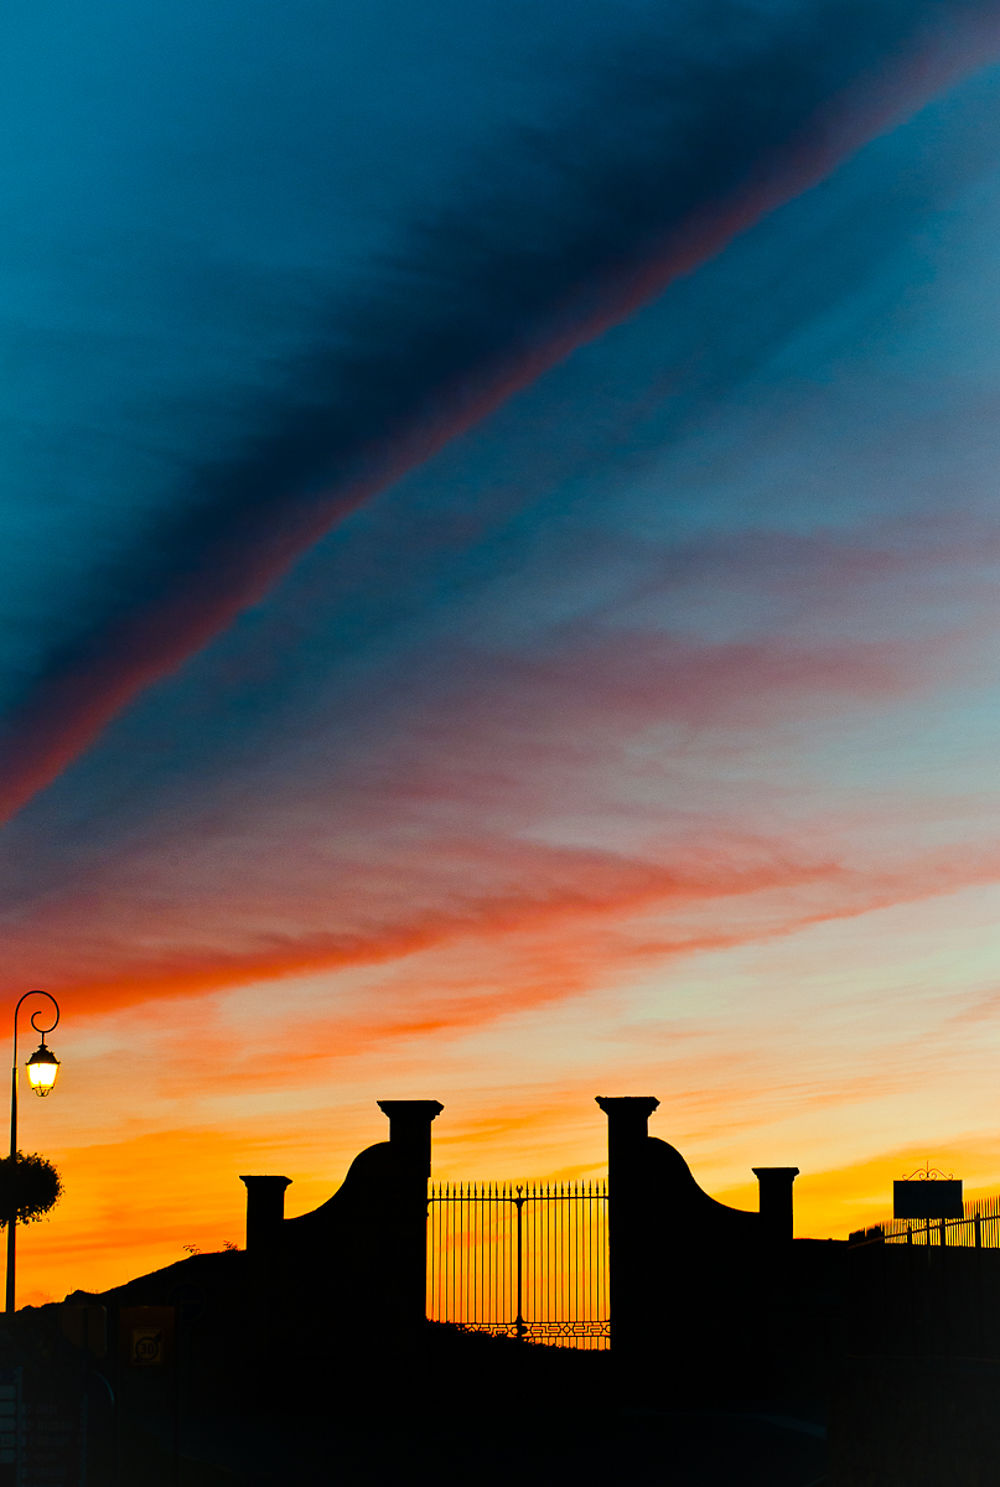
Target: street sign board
[{"x": 928, "y": 1198}]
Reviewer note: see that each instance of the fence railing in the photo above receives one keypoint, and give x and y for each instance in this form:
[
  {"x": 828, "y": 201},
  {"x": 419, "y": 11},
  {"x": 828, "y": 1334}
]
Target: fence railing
[
  {"x": 978, "y": 1229},
  {"x": 526, "y": 1260}
]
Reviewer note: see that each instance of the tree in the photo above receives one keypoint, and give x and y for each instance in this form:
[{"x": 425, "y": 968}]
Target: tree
[{"x": 29, "y": 1187}]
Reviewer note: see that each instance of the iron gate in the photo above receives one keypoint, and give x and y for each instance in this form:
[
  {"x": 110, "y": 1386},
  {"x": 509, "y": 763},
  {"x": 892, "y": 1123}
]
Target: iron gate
[{"x": 526, "y": 1260}]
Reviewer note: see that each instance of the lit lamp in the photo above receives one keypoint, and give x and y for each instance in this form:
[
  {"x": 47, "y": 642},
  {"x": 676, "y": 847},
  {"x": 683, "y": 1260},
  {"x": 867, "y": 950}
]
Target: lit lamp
[{"x": 42, "y": 1068}]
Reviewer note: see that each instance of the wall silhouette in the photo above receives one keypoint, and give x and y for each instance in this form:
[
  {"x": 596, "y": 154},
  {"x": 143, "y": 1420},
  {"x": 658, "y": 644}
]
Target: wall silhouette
[
  {"x": 705, "y": 1299},
  {"x": 356, "y": 1266},
  {"x": 708, "y": 1300},
  {"x": 702, "y": 1295}
]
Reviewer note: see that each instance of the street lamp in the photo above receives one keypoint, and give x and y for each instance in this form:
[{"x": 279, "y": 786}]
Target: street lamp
[{"x": 42, "y": 1067}]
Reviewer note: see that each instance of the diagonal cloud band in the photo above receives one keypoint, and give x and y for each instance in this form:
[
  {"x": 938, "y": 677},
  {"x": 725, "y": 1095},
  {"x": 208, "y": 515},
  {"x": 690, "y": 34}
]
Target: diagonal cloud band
[{"x": 665, "y": 165}]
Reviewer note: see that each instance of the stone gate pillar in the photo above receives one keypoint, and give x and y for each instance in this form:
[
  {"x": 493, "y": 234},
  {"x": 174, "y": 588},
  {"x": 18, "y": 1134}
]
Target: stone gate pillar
[
  {"x": 265, "y": 1211},
  {"x": 265, "y": 1222},
  {"x": 629, "y": 1237},
  {"x": 410, "y": 1143},
  {"x": 775, "y": 1204}
]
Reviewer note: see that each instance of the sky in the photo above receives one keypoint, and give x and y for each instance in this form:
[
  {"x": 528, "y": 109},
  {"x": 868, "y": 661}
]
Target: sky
[{"x": 499, "y": 595}]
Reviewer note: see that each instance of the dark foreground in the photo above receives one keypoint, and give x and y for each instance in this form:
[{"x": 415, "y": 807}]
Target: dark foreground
[
  {"x": 446, "y": 1408},
  {"x": 454, "y": 1408}
]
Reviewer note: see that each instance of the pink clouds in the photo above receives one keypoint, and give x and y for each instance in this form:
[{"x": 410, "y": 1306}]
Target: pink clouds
[
  {"x": 489, "y": 890},
  {"x": 441, "y": 833},
  {"x": 551, "y": 926}
]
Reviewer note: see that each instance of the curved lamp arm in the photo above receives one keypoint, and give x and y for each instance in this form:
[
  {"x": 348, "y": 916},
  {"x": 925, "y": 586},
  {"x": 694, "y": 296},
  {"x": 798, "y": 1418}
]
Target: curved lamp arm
[{"x": 43, "y": 1031}]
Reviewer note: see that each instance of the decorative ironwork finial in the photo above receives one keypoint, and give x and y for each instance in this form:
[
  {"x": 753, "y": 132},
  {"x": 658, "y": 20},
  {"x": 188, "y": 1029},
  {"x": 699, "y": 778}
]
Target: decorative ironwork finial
[{"x": 927, "y": 1173}]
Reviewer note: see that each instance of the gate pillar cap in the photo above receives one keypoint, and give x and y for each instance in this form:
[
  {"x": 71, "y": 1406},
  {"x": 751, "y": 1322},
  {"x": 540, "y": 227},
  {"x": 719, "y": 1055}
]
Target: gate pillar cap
[
  {"x": 410, "y": 1131},
  {"x": 415, "y": 1109},
  {"x": 627, "y": 1103},
  {"x": 633, "y": 1107}
]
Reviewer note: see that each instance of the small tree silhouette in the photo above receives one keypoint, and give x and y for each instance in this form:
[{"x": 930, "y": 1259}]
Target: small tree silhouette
[{"x": 29, "y": 1187}]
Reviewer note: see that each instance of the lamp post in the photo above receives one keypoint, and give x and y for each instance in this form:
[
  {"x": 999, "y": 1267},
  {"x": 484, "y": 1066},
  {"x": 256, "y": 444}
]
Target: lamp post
[{"x": 42, "y": 1067}]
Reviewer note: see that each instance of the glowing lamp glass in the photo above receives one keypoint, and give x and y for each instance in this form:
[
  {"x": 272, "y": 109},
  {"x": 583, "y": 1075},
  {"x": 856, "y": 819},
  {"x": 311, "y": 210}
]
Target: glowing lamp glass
[{"x": 42, "y": 1067}]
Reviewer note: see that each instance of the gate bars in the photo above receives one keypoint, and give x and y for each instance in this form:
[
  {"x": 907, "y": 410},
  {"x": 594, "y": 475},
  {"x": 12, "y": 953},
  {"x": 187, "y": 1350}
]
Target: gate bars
[{"x": 526, "y": 1260}]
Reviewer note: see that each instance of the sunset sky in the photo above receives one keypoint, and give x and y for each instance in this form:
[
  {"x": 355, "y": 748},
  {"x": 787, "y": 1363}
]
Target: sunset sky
[{"x": 500, "y": 555}]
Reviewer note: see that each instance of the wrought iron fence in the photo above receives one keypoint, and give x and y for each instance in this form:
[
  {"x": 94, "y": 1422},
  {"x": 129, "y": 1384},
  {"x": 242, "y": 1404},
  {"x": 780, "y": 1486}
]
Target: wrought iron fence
[
  {"x": 526, "y": 1260},
  {"x": 979, "y": 1229}
]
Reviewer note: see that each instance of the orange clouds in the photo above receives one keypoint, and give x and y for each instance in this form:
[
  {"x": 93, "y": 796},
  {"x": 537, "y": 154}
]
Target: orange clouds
[
  {"x": 485, "y": 890},
  {"x": 573, "y": 917}
]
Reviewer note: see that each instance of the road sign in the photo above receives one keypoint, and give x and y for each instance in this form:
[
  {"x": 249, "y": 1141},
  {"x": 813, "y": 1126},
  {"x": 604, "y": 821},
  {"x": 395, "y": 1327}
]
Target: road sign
[
  {"x": 148, "y": 1346},
  {"x": 147, "y": 1335}
]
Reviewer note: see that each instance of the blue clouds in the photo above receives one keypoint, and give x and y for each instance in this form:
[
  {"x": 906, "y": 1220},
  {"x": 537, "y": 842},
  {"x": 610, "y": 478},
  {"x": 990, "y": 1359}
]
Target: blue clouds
[{"x": 302, "y": 259}]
